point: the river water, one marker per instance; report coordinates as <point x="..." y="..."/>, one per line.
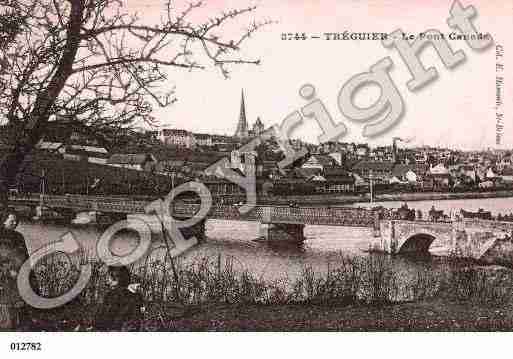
<point x="324" y="246"/>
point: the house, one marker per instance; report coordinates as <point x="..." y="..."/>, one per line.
<point x="197" y="169"/>
<point x="486" y="185"/>
<point x="359" y="182"/>
<point x="506" y="160"/>
<point x="438" y="180"/>
<point x="202" y="139"/>
<point x="319" y="162"/>
<point x="293" y="186"/>
<point x="380" y="171"/>
<point x="396" y="180"/>
<point x="362" y="150"/>
<point x="437" y="177"/>
<point x="221" y="186"/>
<point x="92" y="154"/>
<point x="338" y="180"/>
<point x="224" y="143"/>
<point x="307" y="174"/>
<point x="153" y="134"/>
<point x="178" y="138"/>
<point x="438" y="169"/>
<point x="347" y="147"/>
<point x="139" y="162"/>
<point x="410" y="173"/>
<point x="268" y="169"/>
<point x="490" y="174"/>
<point x="244" y="161"/>
<point x="328" y="147"/>
<point x="404" y="173"/>
<point x="420" y="157"/>
<point x="381" y="154"/>
<point x="297" y="145"/>
<point x="339" y="157"/>
<point x="68" y="130"/>
<point x="454" y="170"/>
<point x="469" y="172"/>
<point x="170" y="166"/>
<point x="50" y="146"/>
<point x="507" y="175"/>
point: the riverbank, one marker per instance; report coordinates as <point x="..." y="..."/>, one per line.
<point x="365" y="294"/>
<point x="425" y="196"/>
<point x="432" y="315"/>
<point x="337" y="199"/>
<point x="427" y="315"/>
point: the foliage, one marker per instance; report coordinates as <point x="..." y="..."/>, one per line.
<point x="206" y="282"/>
<point x="99" y="65"/>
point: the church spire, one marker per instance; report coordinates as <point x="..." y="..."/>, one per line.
<point x="242" y="126"/>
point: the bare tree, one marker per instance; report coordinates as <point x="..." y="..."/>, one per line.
<point x="95" y="63"/>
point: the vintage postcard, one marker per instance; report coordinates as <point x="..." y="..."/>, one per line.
<point x="242" y="166"/>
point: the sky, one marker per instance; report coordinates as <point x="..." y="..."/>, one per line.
<point x="457" y="110"/>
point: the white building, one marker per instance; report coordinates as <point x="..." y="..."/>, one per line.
<point x="176" y="137"/>
<point x="319" y="162"/>
<point x="51" y="146"/>
<point x="139" y="162"/>
<point x="203" y="139"/>
<point x="439" y="169"/>
<point x="93" y="154"/>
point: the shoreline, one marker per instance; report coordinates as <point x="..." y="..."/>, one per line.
<point x="332" y="199"/>
<point x="428" y="315"/>
<point x="438" y="314"/>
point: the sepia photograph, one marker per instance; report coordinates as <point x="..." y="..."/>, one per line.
<point x="254" y="166"/>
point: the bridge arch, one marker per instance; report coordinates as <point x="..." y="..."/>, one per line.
<point x="416" y="243"/>
<point x="417" y="236"/>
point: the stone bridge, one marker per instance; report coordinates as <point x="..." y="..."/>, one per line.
<point x="330" y="216"/>
<point x="277" y="222"/>
<point x="468" y="238"/>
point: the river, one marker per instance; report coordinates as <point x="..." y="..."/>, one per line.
<point x="324" y="246"/>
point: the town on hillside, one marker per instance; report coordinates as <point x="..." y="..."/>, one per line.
<point x="150" y="162"/>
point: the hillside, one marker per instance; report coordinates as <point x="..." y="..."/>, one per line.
<point x="67" y="176"/>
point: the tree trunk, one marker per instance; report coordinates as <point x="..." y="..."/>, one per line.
<point x="42" y="110"/>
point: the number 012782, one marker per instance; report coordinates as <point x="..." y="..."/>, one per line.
<point x="25" y="346"/>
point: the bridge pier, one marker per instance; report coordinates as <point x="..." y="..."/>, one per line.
<point x="386" y="241"/>
<point x="282" y="232"/>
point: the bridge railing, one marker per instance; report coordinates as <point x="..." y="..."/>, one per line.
<point x="502" y="225"/>
<point x="107" y="204"/>
<point x="344" y="216"/>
